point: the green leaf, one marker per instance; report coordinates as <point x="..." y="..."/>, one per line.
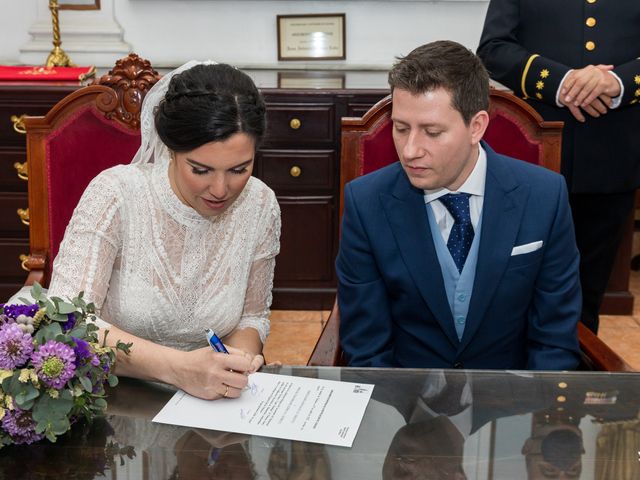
<point x="12" y="385"/>
<point x="26" y="301"/>
<point x="48" y="304"/>
<point x="58" y="317"/>
<point x="113" y="380"/>
<point x="86" y="384"/>
<point x="91" y="327"/>
<point x="25" y="397"/>
<point x="36" y="291"/>
<point x="66" y="308"/>
<point x="125" y="347"/>
<point x="6" y="384"/>
<point x="79" y="331"/>
<point x="48" y="332"/>
<point x="79" y="302"/>
<point x="50" y="436"/>
<point x="100" y="403"/>
<point x="46" y="409"/>
<point x="60" y="425"/>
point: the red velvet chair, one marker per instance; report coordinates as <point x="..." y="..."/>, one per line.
<point x="93" y="128"/>
<point x="515" y="129"/>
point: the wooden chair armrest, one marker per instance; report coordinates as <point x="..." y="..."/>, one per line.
<point x="327" y="351"/>
<point x="35" y="265"/>
<point x="599" y="353"/>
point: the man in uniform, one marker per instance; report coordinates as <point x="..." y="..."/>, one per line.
<point x="578" y="62"/>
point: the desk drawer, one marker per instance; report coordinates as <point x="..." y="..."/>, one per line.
<point x="9" y="160"/>
<point x="18" y="100"/>
<point x="300" y="124"/>
<point x="299" y="169"/>
<point x="10" y="223"/>
<point x="10" y="251"/>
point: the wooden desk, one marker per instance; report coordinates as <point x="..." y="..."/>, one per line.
<point x="491" y="425"/>
<point x="16" y="100"/>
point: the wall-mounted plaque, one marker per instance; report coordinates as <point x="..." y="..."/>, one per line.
<point x="312" y="37"/>
<point x="79" y="4"/>
<point x="311" y="79"/>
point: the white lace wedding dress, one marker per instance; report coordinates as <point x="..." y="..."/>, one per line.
<point x="157" y="269"/>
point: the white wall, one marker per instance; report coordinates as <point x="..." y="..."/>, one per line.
<point x="243" y="32"/>
<point x="15" y="20"/>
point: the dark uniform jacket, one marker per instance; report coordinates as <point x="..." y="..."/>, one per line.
<point x="529" y="46"/>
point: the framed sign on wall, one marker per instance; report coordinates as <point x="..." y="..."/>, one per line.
<point x="312" y="37"/>
<point x="79" y="4"/>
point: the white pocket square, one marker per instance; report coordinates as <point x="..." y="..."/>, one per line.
<point x="526" y="248"/>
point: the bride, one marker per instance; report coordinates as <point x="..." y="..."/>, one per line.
<point x="182" y="239"/>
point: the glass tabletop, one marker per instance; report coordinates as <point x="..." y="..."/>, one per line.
<point x="435" y="424"/>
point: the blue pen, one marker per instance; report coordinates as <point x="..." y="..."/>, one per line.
<point x="215" y="342"/>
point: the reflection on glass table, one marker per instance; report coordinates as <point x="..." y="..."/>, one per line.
<point x="435" y="424"/>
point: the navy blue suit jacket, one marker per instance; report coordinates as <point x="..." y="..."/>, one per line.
<point x="524" y="309"/>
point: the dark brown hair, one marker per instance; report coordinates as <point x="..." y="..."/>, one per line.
<point x="209" y="103"/>
<point x="449" y="65"/>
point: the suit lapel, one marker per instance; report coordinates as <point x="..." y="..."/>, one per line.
<point x="502" y="211"/>
<point x="405" y="212"/>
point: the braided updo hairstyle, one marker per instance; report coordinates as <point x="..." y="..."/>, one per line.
<point x="209" y="103"/>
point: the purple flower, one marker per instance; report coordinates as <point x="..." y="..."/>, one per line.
<point x="55" y="363"/>
<point x="106" y="366"/>
<point x="70" y="323"/>
<point x="95" y="361"/>
<point x="84" y="353"/>
<point x="19" y="424"/>
<point x="82" y="350"/>
<point x="14" y="310"/>
<point x="15" y="346"/>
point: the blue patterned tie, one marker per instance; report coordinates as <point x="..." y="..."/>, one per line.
<point x="461" y="234"/>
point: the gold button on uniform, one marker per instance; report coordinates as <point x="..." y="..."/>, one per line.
<point x="561" y="399"/>
<point x="591" y="22"/>
<point x="590" y="46"/>
<point x="591" y="1"/>
<point x="562" y="385"/>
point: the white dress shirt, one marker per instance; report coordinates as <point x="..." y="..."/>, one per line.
<point x="474" y="185"/>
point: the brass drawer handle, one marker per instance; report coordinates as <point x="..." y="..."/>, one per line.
<point x="295" y="171"/>
<point x="22" y="169"/>
<point x="23" y="213"/>
<point x="23" y="262"/>
<point x="295" y="123"/>
<point x="18" y="123"/>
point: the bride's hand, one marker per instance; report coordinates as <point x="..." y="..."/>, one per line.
<point x="207" y="374"/>
<point x="256" y="360"/>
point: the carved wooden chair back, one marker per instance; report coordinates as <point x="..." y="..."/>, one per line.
<point x="90" y="130"/>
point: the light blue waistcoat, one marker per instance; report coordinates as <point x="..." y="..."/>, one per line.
<point x="459" y="286"/>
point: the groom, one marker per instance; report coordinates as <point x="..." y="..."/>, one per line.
<point x="455" y="256"/>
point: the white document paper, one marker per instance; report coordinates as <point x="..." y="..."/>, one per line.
<point x="279" y="406"/>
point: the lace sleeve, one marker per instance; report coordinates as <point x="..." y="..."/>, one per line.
<point x="90" y="245"/>
<point x="258" y="297"/>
